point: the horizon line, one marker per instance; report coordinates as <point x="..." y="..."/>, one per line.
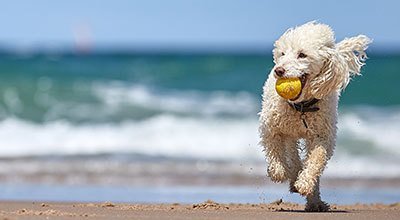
<point x="255" y="49"/>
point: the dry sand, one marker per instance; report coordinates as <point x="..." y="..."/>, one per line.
<point x="206" y="210"/>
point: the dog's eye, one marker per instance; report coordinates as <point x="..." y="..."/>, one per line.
<point x="282" y="54"/>
<point x="301" y="55"/>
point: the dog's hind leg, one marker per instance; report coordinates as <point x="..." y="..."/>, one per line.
<point x="294" y="162"/>
<point x="278" y="168"/>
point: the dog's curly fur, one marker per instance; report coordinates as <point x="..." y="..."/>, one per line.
<point x="326" y="69"/>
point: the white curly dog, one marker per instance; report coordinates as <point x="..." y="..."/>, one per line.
<point x="307" y="52"/>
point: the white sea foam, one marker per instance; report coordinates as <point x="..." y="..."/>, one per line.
<point x="205" y="138"/>
<point x="161" y="135"/>
<point x="382" y="130"/>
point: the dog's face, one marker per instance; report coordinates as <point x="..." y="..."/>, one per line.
<point x="302" y="53"/>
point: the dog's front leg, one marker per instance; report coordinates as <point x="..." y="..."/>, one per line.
<point x="307" y="184"/>
<point x="276" y="157"/>
<point x="313" y="166"/>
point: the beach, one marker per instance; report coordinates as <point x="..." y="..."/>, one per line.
<point x="205" y="210"/>
<point x="231" y="199"/>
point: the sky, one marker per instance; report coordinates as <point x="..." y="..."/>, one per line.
<point x="187" y="23"/>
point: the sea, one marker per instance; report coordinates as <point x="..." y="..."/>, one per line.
<point x="176" y="127"/>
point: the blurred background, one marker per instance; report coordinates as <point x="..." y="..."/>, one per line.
<point x="157" y="101"/>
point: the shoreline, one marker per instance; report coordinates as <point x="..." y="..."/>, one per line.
<point x="332" y="191"/>
<point x="204" y="210"/>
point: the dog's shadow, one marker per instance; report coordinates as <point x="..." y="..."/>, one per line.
<point x="303" y="211"/>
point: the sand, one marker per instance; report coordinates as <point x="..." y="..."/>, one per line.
<point x="206" y="210"/>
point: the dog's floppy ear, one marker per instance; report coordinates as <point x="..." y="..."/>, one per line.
<point x="341" y="63"/>
<point x="333" y="76"/>
<point x="353" y="50"/>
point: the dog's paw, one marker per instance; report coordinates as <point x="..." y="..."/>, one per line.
<point x="317" y="207"/>
<point x="304" y="187"/>
<point x="277" y="172"/>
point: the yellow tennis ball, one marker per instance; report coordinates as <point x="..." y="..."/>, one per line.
<point x="288" y="88"/>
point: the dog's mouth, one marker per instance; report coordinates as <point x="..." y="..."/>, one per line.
<point x="303" y="80"/>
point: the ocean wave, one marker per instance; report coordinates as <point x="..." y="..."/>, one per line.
<point x="367" y="140"/>
<point x="116" y="101"/>
<point x="360" y="134"/>
<point x="351" y="166"/>
<point x="161" y="135"/>
<point x="132" y="169"/>
<point x="114" y="95"/>
<point x="374" y="130"/>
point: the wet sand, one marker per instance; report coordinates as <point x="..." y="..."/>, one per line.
<point x="205" y="210"/>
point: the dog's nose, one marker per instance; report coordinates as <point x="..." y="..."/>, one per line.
<point x="280" y="71"/>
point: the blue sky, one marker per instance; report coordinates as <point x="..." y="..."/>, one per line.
<point x="188" y="23"/>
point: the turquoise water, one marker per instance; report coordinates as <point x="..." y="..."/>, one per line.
<point x="197" y="106"/>
<point x="32" y="87"/>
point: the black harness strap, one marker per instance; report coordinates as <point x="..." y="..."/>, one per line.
<point x="305" y="106"/>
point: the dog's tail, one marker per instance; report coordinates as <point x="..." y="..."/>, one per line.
<point x="353" y="50"/>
